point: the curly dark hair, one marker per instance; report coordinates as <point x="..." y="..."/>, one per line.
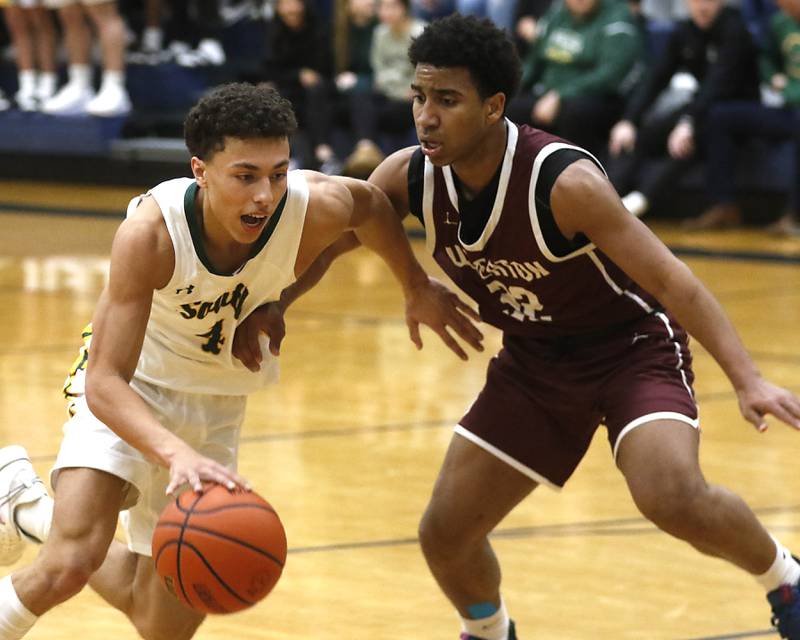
<point x="237" y="110"/>
<point x="475" y="43"/>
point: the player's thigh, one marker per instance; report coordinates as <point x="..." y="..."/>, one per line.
<point x="157" y="613"/>
<point x="475" y="489"/>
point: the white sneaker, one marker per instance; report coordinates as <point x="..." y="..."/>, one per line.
<point x="111" y="100"/>
<point x="26" y="100"/>
<point x="19" y="484"/>
<point x="71" y="100"/>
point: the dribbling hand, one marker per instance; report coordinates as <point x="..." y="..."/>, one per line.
<point x="188" y="467"/>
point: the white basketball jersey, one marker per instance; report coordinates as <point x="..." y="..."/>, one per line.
<point x="189" y="337"/>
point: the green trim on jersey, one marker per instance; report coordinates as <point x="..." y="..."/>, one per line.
<point x="197" y="234"/>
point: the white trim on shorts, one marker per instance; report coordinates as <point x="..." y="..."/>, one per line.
<point x="650" y="417"/>
<point x="502" y="455"/>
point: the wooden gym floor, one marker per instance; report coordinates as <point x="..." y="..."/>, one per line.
<point x="348" y="444"/>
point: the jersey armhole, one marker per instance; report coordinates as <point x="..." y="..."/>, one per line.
<point x="416" y="183"/>
<point x="551" y="168"/>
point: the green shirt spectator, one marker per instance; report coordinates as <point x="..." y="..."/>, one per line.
<point x="593" y="53"/>
<point x="780" y="64"/>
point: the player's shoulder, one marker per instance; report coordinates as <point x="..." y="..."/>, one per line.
<point x="143" y="238"/>
<point x="392" y="172"/>
<point x="327" y="192"/>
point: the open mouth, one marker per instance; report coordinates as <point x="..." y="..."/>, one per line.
<point x="253" y="221"/>
<point x="430" y="148"/>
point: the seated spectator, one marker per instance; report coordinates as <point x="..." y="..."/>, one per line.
<point x="427" y="10"/>
<point x="77" y="96"/>
<point x="576" y="74"/>
<point x="501" y="12"/>
<point x="526" y="22"/>
<point x="354" y="84"/>
<point x="730" y="122"/>
<point x="299" y="64"/>
<point x="194" y="30"/>
<point x="33" y="35"/>
<point x="714" y="46"/>
<point x="387" y="110"/>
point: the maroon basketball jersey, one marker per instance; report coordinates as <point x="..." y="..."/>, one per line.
<point x="520" y="284"/>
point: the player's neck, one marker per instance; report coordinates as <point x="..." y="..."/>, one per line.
<point x="477" y="170"/>
<point x="225" y="253"/>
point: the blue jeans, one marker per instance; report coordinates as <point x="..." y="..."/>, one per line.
<point x="501" y="12"/>
<point x="727" y="124"/>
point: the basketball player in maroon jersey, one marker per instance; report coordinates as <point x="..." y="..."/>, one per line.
<point x="593" y="308"/>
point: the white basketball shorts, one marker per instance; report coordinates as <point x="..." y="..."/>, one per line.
<point x="208" y="423"/>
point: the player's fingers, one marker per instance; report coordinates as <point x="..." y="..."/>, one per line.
<point x="452" y="344"/>
<point x="276" y="335"/>
<point x="792" y="404"/>
<point x="413" y="333"/>
<point x="755" y="418"/>
<point x="193" y="478"/>
<point x="254" y="347"/>
<point x="468" y="332"/>
<point x="785" y="412"/>
<point x="467" y="310"/>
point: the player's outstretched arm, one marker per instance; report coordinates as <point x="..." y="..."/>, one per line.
<point x="584" y="201"/>
<point x="142" y="260"/>
<point x="371" y="216"/>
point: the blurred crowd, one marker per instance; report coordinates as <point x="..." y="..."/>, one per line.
<point x="643" y="84"/>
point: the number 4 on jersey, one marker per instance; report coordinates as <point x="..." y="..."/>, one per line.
<point x="215" y="338"/>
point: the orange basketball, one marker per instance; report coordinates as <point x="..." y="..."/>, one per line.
<point x="219" y="551"/>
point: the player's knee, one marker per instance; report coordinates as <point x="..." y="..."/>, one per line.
<point x="676" y="505"/>
<point x="440" y="533"/>
<point x="69" y="573"/>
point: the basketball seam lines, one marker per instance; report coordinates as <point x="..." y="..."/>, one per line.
<point x="180" y="543"/>
<point x="226" y="507"/>
<point x="228" y="588"/>
<point x="247" y="545"/>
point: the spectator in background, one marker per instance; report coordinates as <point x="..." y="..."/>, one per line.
<point x="195" y="29"/>
<point x="77" y="96"/>
<point x="300" y="65"/>
<point x="427" y="10"/>
<point x="501" y="12"/>
<point x="526" y="22"/>
<point x="715" y="47"/>
<point x="729" y="122"/>
<point x="387" y="110"/>
<point x="574" y="78"/>
<point x="353" y="48"/>
<point x="33" y="35"/>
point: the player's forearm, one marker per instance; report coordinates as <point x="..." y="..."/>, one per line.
<point x="314" y="273"/>
<point x="382" y="232"/>
<point x="115" y="404"/>
<point x="703" y="317"/>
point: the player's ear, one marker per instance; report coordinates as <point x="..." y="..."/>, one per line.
<point x="199" y="171"/>
<point x="494" y="107"/>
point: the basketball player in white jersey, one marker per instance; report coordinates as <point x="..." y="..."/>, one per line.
<point x="164" y="397"/>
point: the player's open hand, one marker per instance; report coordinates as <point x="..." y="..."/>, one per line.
<point x="763" y="398"/>
<point x="267" y="319"/>
<point x="433" y="304"/>
<point x="188" y="467"/>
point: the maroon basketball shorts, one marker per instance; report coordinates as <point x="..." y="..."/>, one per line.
<point x="544" y="398"/>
